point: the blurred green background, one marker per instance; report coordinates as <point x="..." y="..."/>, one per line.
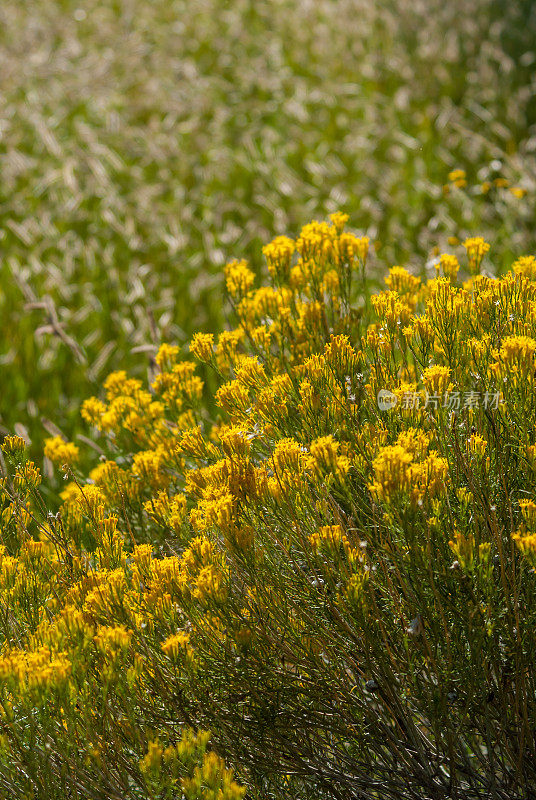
<point x="143" y="144"/>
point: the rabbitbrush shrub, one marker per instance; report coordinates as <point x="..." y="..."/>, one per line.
<point x="335" y="577"/>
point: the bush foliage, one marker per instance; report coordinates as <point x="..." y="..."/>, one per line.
<point x="329" y="565"/>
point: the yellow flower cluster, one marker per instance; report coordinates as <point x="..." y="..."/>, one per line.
<point x="168" y="511"/>
<point x="40" y="669"/>
<point x="61" y="452"/>
<point x="449" y="265"/>
<point x="458" y="178"/>
<point x="239" y="278"/>
<point x="176" y="644"/>
<point x="525" y="266"/>
<point x="13" y="446"/>
<point x="278" y="256"/>
<point x="397" y="472"/>
<point x="190" y="769"/>
<point x="273" y="538"/>
<point x="111" y="640"/>
<point x="476" y="248"/>
<point x="202" y="346"/>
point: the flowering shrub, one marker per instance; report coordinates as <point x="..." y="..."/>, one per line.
<point x="335" y="576"/>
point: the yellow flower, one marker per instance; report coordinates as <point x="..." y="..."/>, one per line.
<point x="528" y="509"/>
<point x="517" y="354"/>
<point x="449" y="265"/>
<point x="288" y="455"/>
<point x="456" y="175"/>
<point x="339" y="220"/>
<point x="354" y="249"/>
<point x="401" y="281"/>
<point x="463" y="548"/>
<point x="526" y="542"/>
<point x="166" y="356"/>
<point x="111" y="640"/>
<point x="202" y="346"/>
<point x="317" y="242"/>
<point x="436" y="379"/>
<point x="27" y="476"/>
<point x="390" y="309"/>
<point x="476" y="445"/>
<point x="278" y="256"/>
<point x="151" y="762"/>
<point x="167" y="511"/>
<point x="262" y="336"/>
<point x="115" y="384"/>
<point x="93" y="411"/>
<point x="250" y="373"/>
<point x="324" y="452"/>
<point x="228" y="342"/>
<point x="476" y="248"/>
<point x="210" y="586"/>
<point x="329" y="538"/>
<point x="428" y="478"/>
<point x="414" y="441"/>
<point x="338" y="354"/>
<point x="150" y="466"/>
<point x="217" y="509"/>
<point x="239" y="278"/>
<point x="13" y="445"/>
<point x="142" y="555"/>
<point x="233" y="397"/>
<point x="176" y="645"/>
<point x="235" y="441"/>
<point x="525" y="266"/>
<point x="84" y="501"/>
<point x="391" y="474"/>
<point x="61" y="452"/>
<point x="32" y="550"/>
<point x="36" y="669"/>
